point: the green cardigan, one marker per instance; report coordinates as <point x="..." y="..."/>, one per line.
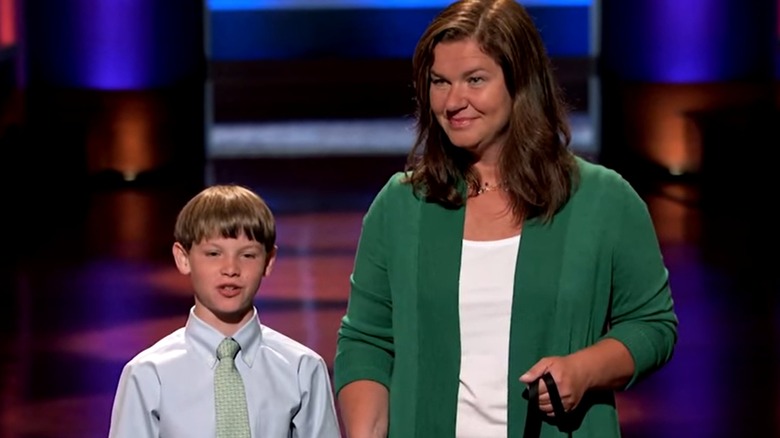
<point x="595" y="271"/>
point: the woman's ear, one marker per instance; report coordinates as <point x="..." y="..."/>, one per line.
<point x="181" y="257"/>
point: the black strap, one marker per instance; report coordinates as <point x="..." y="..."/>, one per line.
<point x="534" y="417"/>
<point x="555" y="396"/>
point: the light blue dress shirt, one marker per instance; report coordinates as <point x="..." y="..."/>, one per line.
<point x="167" y="390"/>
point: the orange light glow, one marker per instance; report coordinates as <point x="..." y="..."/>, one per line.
<point x="663" y="121"/>
<point x="127" y="141"/>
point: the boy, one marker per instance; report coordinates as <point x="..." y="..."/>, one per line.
<point x="225" y="242"/>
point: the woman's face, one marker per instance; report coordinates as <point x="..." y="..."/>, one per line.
<point x="469" y="97"/>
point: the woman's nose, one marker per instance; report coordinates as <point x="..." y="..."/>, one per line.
<point x="456" y="99"/>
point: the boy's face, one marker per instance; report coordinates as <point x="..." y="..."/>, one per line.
<point x="225" y="275"/>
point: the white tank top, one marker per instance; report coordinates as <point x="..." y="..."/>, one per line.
<point x="487" y="276"/>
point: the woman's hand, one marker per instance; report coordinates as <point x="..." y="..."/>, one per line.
<point x="606" y="364"/>
<point x="569" y="379"/>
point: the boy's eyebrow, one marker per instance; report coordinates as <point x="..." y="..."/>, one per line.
<point x="257" y="245"/>
<point x="211" y="241"/>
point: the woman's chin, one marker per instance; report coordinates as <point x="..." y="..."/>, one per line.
<point x="463" y="143"/>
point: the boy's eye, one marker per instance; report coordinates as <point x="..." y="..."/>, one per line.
<point x="250" y="256"/>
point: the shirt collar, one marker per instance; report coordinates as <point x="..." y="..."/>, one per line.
<point x="204" y="339"/>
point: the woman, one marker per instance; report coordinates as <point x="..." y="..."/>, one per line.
<point x="498" y="257"/>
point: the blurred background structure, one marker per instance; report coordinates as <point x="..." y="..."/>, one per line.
<point x="113" y="113"/>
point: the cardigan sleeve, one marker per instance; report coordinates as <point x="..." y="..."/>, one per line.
<point x="365" y="348"/>
<point x="642" y="312"/>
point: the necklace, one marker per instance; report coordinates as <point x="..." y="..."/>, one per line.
<point x="487" y="187"/>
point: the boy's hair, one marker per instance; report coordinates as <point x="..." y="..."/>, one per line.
<point x="226" y="210"/>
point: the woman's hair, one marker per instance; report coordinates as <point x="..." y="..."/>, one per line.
<point x="225" y="211"/>
<point x="536" y="164"/>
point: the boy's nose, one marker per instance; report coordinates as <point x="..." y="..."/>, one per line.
<point x="230" y="269"/>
